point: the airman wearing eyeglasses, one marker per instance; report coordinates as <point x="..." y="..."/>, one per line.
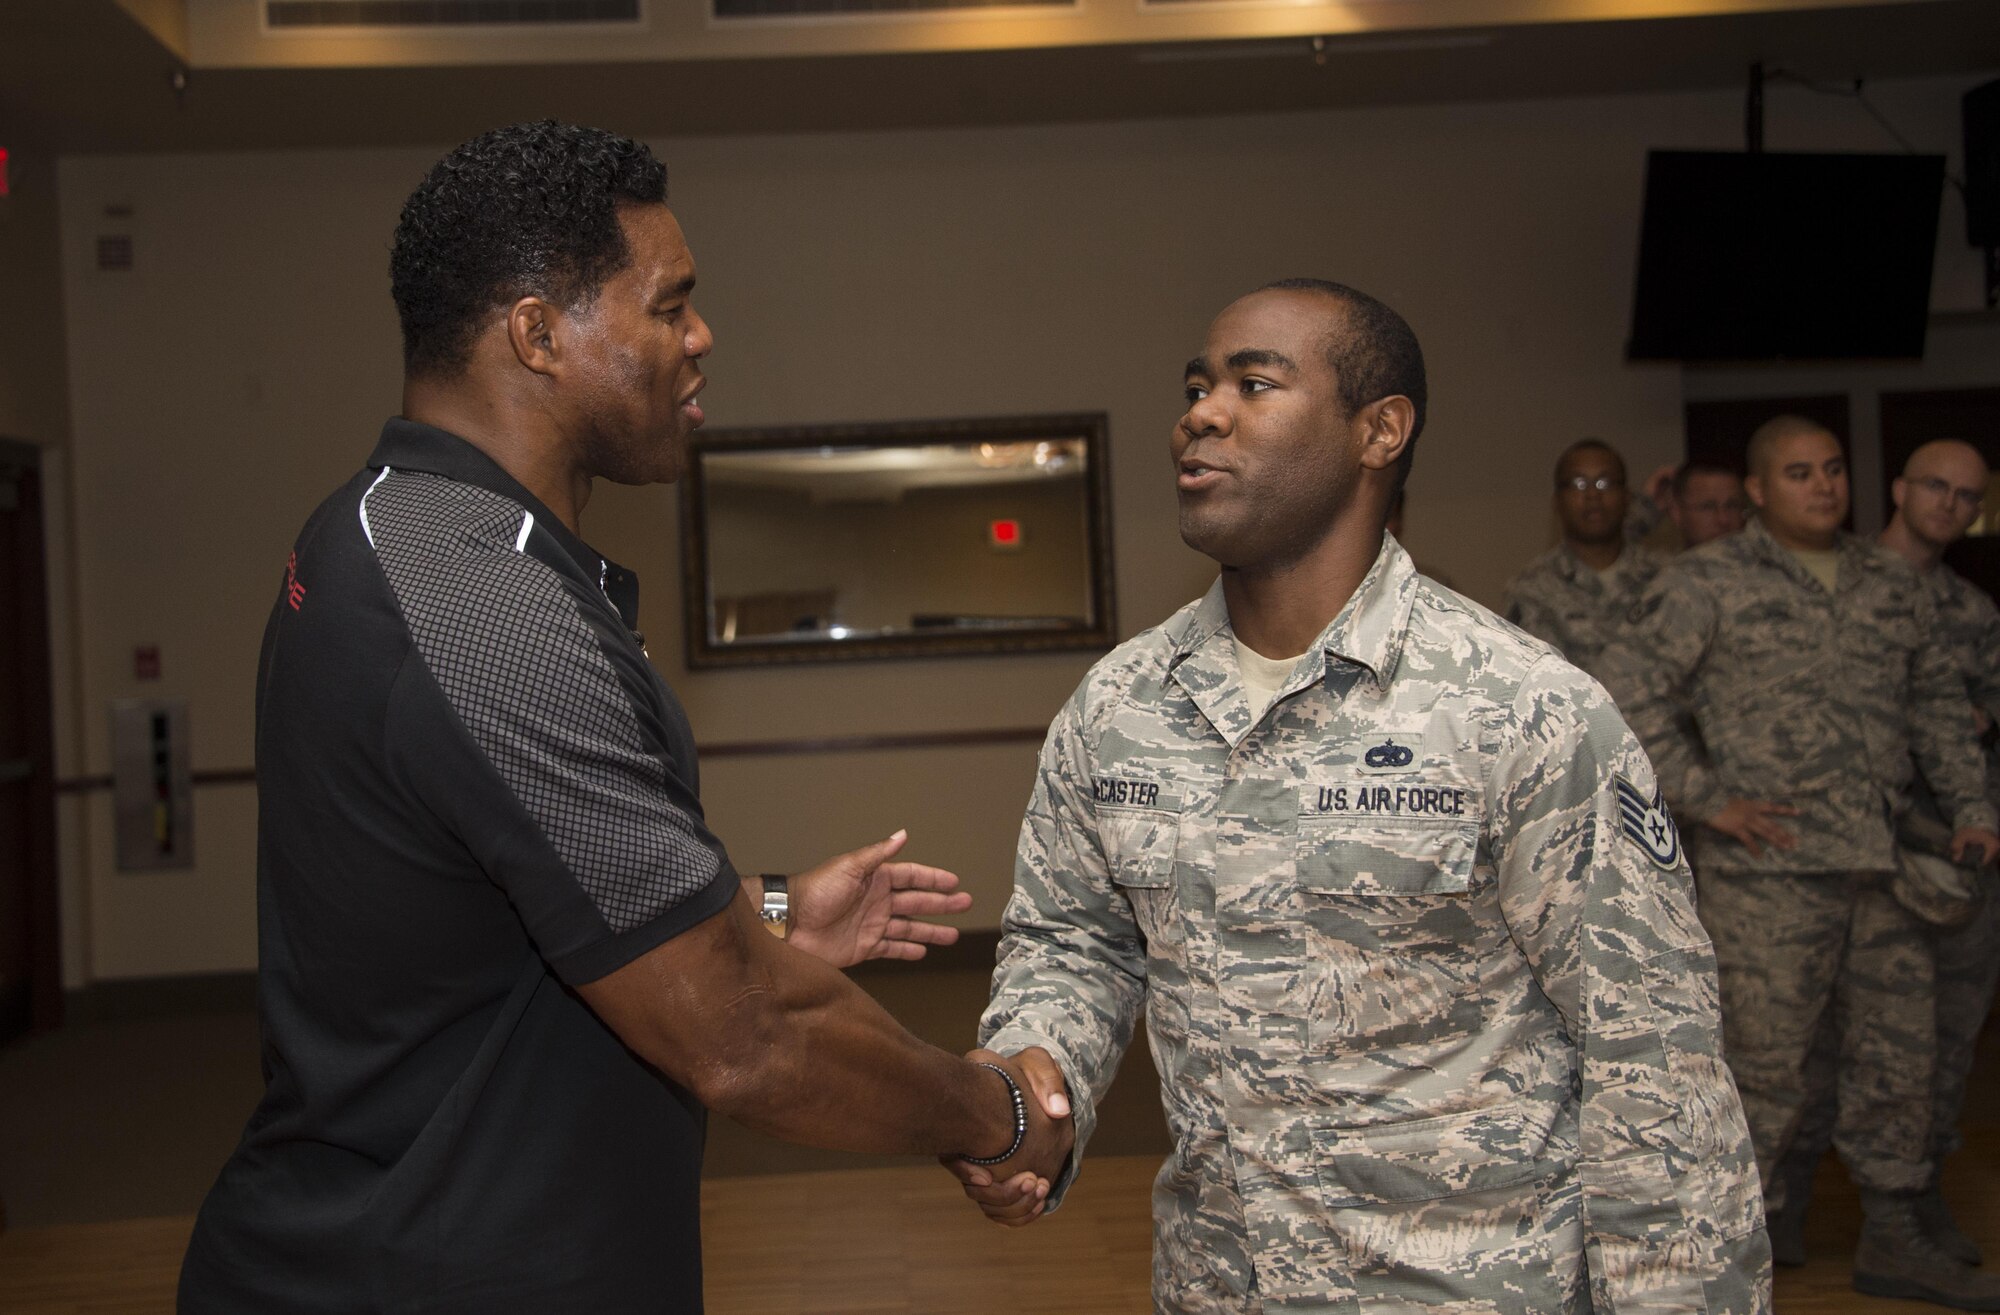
<point x="1810" y="664"/>
<point x="1577" y="595"/>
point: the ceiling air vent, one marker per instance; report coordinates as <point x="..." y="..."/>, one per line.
<point x="726" y="10"/>
<point x="322" y="15"/>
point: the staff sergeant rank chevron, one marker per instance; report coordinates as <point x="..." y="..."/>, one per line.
<point x="1648" y="823"/>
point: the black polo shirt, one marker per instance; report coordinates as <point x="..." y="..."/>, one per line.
<point x="474" y="792"/>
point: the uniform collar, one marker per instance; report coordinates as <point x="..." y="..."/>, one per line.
<point x="1366" y="637"/>
<point x="1573" y="568"/>
<point x="1632" y="565"/>
<point x="411" y="445"/>
<point x="1853" y="554"/>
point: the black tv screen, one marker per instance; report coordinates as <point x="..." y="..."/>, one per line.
<point x="1779" y="255"/>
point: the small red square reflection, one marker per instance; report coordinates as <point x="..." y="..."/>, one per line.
<point x="1004" y="534"/>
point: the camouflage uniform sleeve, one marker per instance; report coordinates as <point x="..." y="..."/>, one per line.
<point x="1642" y="516"/>
<point x="1596" y="894"/>
<point x="1071" y="972"/>
<point x="1650" y="670"/>
<point x="1984" y="681"/>
<point x="1526" y="612"/>
<point x="1943" y="736"/>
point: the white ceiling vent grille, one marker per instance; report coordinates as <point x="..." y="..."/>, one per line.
<point x="780" y="10"/>
<point x="322" y="15"/>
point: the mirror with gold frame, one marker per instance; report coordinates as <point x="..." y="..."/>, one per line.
<point x="830" y="543"/>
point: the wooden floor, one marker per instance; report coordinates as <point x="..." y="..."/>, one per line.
<point x="902" y="1242"/>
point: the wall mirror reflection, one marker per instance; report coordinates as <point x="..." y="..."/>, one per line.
<point x="911" y="539"/>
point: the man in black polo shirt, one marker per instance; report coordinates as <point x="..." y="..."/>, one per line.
<point x="504" y="965"/>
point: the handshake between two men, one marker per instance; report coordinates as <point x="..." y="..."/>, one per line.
<point x="863" y="905"/>
<point x="1015" y="1192"/>
<point x="1378" y="1036"/>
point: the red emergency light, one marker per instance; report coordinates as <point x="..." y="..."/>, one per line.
<point x="1004" y="534"/>
<point x="3" y="171"/>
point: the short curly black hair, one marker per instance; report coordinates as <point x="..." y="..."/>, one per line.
<point x="1374" y="354"/>
<point x="526" y="210"/>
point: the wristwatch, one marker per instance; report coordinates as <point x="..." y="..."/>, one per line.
<point x="776" y="910"/>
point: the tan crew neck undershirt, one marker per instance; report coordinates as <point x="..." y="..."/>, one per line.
<point x="1262" y="677"/>
<point x="1824" y="563"/>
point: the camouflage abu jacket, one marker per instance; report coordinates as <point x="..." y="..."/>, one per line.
<point x="1559" y="599"/>
<point x="1968" y="626"/>
<point x="1801" y="697"/>
<point x="1435" y="1023"/>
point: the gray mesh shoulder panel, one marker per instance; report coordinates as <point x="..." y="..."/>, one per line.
<point x="525" y="675"/>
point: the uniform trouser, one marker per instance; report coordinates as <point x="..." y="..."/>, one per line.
<point x="1968" y="970"/>
<point x="1788" y="949"/>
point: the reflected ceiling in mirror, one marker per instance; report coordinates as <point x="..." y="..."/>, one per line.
<point x="907" y="539"/>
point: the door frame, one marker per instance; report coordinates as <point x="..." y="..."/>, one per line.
<point x="37" y="693"/>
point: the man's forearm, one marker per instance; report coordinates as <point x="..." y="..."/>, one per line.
<point x="824" y="1064"/>
<point x="786" y="1044"/>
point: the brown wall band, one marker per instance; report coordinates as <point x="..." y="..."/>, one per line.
<point x="728" y="749"/>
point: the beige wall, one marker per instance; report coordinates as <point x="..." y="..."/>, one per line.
<point x="243" y="369"/>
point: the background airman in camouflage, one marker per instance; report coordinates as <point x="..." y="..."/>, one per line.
<point x="1808" y="661"/>
<point x="1579" y="594"/>
<point x="1939" y="495"/>
<point x="1434" y="1019"/>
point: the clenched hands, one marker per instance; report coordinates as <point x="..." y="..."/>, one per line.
<point x="1016" y="1192"/>
<point x="859" y="905"/>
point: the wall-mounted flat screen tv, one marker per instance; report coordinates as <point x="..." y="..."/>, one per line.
<point x="1777" y="255"/>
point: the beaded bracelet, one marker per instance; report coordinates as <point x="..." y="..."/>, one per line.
<point x="1020" y="1119"/>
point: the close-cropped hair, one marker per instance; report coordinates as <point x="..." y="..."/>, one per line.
<point x="1374" y="354"/>
<point x="526" y="210"/>
<point x="1689" y="469"/>
<point x="1766" y="437"/>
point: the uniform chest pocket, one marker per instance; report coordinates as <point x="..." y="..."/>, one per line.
<point x="1882" y="644"/>
<point x="1139" y="849"/>
<point x="1373" y="858"/>
<point x="1388" y="917"/>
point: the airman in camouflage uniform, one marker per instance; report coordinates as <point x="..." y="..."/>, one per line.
<point x="1812" y="702"/>
<point x="1579" y="594"/>
<point x="1937" y="497"/>
<point x="1435" y="1023"/>
<point x="1968" y="957"/>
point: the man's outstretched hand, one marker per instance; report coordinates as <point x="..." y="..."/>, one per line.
<point x="859" y="905"/>
<point x="1016" y="1192"/>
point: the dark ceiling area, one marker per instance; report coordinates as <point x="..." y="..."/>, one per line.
<point x="79" y="76"/>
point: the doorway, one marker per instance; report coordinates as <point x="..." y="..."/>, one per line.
<point x="30" y="957"/>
